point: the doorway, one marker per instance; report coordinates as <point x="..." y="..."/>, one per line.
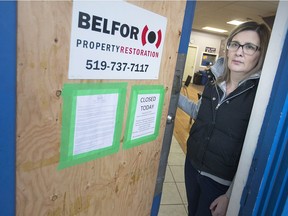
<point x="190" y="61"/>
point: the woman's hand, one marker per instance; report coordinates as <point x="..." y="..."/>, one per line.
<point x="219" y="206"/>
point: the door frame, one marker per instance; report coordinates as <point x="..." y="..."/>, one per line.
<point x="266" y="190"/>
<point x="247" y="181"/>
<point x="177" y="84"/>
<point x="8" y="58"/>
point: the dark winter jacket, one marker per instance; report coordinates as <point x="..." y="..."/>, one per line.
<point x="216" y="138"/>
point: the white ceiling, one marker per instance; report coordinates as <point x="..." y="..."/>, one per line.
<point x="216" y="13"/>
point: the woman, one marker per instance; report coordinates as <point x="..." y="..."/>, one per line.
<point x="221" y="119"/>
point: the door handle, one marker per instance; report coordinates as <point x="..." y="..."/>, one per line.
<point x="170" y="119"/>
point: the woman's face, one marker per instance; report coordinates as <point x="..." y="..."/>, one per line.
<point x="240" y="62"/>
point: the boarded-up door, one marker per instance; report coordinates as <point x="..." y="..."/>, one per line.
<point x="119" y="184"/>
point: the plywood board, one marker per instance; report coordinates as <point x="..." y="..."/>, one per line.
<point x="119" y="184"/>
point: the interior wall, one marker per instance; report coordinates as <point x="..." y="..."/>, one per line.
<point x="203" y="40"/>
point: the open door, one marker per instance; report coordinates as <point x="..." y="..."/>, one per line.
<point x="120" y="183"/>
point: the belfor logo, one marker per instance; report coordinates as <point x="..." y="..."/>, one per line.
<point x="106" y="26"/>
<point x="113" y="27"/>
<point x="151" y="37"/>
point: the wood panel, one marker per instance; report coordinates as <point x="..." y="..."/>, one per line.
<point x="119" y="184"/>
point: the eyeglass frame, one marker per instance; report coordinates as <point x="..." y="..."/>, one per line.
<point x="242" y="46"/>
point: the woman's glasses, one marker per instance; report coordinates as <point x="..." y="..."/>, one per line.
<point x="248" y="48"/>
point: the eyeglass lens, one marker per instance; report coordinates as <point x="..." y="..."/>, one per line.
<point x="247" y="48"/>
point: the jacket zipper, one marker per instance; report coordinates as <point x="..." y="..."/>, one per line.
<point x="229" y="98"/>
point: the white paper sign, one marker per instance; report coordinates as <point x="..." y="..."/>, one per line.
<point x="145" y="116"/>
<point x="115" y="40"/>
<point x="95" y="122"/>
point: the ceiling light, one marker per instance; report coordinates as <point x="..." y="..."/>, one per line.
<point x="235" y="22"/>
<point x="214" y="29"/>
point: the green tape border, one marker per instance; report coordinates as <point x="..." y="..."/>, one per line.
<point x="69" y="94"/>
<point x="135" y="91"/>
